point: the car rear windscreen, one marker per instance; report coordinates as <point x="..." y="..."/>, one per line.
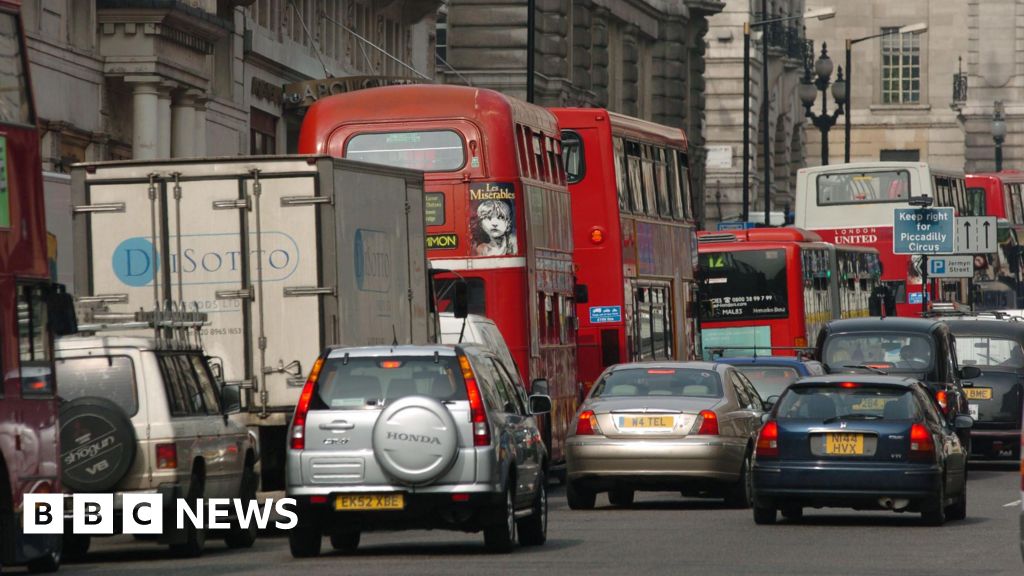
<point x="989" y="352"/>
<point x="769" y="380"/>
<point x="110" y="377"/>
<point x="675" y="382"/>
<point x="892" y="352"/>
<point x="367" y="382"/>
<point x="848" y="401"/>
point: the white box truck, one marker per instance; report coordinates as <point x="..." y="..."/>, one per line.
<point x="286" y="255"/>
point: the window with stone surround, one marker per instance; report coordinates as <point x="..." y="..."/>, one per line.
<point x="901" y="67"/>
<point x="262" y="133"/>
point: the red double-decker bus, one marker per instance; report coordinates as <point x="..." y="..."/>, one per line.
<point x="28" y="403"/>
<point x="634" y="238"/>
<point x="497" y="210"/>
<point x="775" y="288"/>
<point x="999" y="278"/>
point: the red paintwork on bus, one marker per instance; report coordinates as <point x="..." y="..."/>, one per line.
<point x="487" y="123"/>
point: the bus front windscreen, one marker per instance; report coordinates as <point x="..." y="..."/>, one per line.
<point x="744" y="284"/>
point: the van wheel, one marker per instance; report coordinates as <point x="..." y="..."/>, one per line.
<point x="346" y="543"/>
<point x="304" y="542"/>
<point x="580" y="498"/>
<point x="500" y="536"/>
<point x="236" y="536"/>
<point x="533" y="530"/>
<point x="75" y="547"/>
<point x="195" y="538"/>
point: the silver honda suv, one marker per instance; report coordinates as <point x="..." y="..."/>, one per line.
<point x="416" y="437"/>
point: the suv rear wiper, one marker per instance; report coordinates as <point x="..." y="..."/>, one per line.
<point x="874" y="369"/>
<point x="852" y="417"/>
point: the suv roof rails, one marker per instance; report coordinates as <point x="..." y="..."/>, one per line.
<point x="1002" y="315"/>
<point x="174" y="326"/>
<point x="940" y="309"/>
<point x="803" y="352"/>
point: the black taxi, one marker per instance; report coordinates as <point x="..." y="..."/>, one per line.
<point x="996" y="347"/>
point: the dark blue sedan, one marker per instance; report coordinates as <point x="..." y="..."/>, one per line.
<point x="859" y="441"/>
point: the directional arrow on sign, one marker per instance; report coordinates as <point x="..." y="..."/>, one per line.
<point x="976" y="235"/>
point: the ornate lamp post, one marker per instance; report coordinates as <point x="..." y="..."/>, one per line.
<point x="808" y="92"/>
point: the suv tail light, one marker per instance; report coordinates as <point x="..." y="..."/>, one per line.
<point x="166" y="456"/>
<point x="768" y="441"/>
<point x="586" y="425"/>
<point x="708" y="423"/>
<point x="477" y="414"/>
<point x="922" y="447"/>
<point x="298" y="436"/>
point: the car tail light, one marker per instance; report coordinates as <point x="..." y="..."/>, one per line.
<point x="848" y="385"/>
<point x="477" y="414"/>
<point x="768" y="441"/>
<point x="166" y="456"/>
<point x="298" y="439"/>
<point x="922" y="447"/>
<point x="943" y="399"/>
<point x="708" y="423"/>
<point x="318" y="499"/>
<point x="586" y="425"/>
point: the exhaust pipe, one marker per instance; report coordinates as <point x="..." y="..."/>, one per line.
<point x="893" y="503"/>
<point x="885" y="502"/>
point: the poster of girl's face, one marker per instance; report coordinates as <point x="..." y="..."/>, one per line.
<point x="493" y="219"/>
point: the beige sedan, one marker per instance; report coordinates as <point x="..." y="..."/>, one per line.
<point x="686" y="426"/>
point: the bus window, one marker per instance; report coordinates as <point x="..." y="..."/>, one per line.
<point x="621" y="182"/>
<point x="553" y="163"/>
<point x="635" y="179"/>
<point x="661" y="179"/>
<point x="863" y="187"/>
<point x="430" y="151"/>
<point x="647" y="163"/>
<point x="538" y="157"/>
<point x="15" y="104"/>
<point x="35" y="350"/>
<point x="745" y="284"/>
<point x="521" y="148"/>
<point x="675" y="176"/>
<point x="976" y="201"/>
<point x="572" y="156"/>
<point x="444" y="291"/>
<point x="684" y="184"/>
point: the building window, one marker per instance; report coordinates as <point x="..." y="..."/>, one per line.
<point x="441" y="37"/>
<point x="901" y="67"/>
<point x="262" y="133"/>
<point x="900" y="156"/>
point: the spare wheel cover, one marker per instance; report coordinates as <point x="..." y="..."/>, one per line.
<point x="97" y="444"/>
<point x="415" y="440"/>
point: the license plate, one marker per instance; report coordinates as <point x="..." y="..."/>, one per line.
<point x="978" y="393"/>
<point x="370" y="502"/>
<point x="974" y="410"/>
<point x="646" y="422"/>
<point x="844" y="444"/>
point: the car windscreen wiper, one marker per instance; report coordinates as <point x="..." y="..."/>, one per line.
<point x="874" y="369"/>
<point x="852" y="417"/>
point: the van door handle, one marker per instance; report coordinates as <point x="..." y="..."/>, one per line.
<point x="338" y="425"/>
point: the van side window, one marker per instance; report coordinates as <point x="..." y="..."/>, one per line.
<point x="206" y="386"/>
<point x="177" y="395"/>
<point x="511" y="389"/>
<point x="756" y="401"/>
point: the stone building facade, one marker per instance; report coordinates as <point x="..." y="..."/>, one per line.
<point x="787" y="149"/>
<point x="119" y="79"/>
<point x="903" y="105"/>
<point x="644" y="58"/>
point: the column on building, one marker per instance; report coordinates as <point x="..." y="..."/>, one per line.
<point x="200" y="125"/>
<point x="145" y="112"/>
<point x="183" y="125"/>
<point x="164" y="118"/>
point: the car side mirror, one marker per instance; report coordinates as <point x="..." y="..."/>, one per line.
<point x="231" y="398"/>
<point x="540" y="387"/>
<point x="770" y="402"/>
<point x="970" y="372"/>
<point x="963" y="422"/>
<point x="540" y="404"/>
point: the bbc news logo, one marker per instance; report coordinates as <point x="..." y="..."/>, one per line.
<point x="144" y="514"/>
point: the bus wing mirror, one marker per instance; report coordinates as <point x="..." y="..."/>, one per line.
<point x="460" y="303"/>
<point x="581" y="294"/>
<point x="61" y="311"/>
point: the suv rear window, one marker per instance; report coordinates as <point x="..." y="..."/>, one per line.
<point x="986" y="351"/>
<point x="363" y="382"/>
<point x="848" y="401"/>
<point x="689" y="382"/>
<point x="110" y="377"/>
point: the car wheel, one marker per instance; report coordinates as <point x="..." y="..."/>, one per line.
<point x="933" y="511"/>
<point x="792" y="512"/>
<point x="958" y="510"/>
<point x="236" y="536"/>
<point x="195" y="538"/>
<point x="621" y="497"/>
<point x="764" y="515"/>
<point x="346" y="543"/>
<point x="500" y="536"/>
<point x="75" y="547"/>
<point x="304" y="542"/>
<point x="50" y="562"/>
<point x="739" y="494"/>
<point x="533" y="530"/>
<point x="579" y="498"/>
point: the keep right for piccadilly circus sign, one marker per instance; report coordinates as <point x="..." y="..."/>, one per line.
<point x="923" y="231"/>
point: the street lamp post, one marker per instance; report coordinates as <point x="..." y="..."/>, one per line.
<point x="820" y="14"/>
<point x="808" y="93"/>
<point x="918" y="28"/>
<point x="998" y="133"/>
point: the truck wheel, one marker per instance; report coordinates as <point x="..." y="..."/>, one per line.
<point x="533" y="530"/>
<point x="304" y="542"/>
<point x="236" y="536"/>
<point x="97" y="443"/>
<point x="500" y="536"/>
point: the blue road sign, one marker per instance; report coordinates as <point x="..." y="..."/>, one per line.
<point x="923" y="231"/>
<point x="735" y="225"/>
<point x="601" y="314"/>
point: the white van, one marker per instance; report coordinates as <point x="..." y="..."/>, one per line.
<point x="479" y="330"/>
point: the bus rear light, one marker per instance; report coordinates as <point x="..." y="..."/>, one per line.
<point x="298" y="435"/>
<point x="800" y="342"/>
<point x="166" y="456"/>
<point x="708" y="423"/>
<point x="768" y="441"/>
<point x="477" y="414"/>
<point x="586" y="425"/>
<point x="596" y="235"/>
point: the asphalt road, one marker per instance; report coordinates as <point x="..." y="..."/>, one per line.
<point x="661" y="534"/>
